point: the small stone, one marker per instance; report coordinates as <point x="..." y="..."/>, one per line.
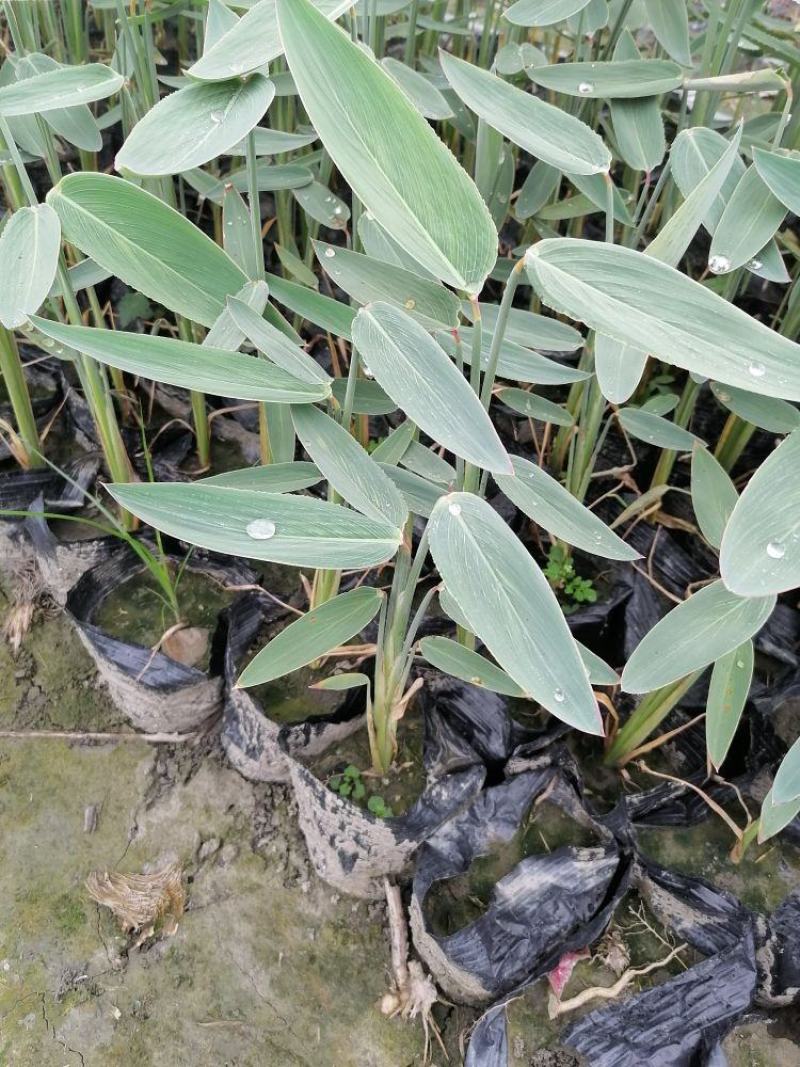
<point x="208" y="848"/>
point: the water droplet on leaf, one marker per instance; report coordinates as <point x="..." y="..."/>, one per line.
<point x="719" y="264"/>
<point x="329" y="253"/>
<point x="757" y="370"/>
<point x="559" y="696"/>
<point x="261" y="529"/>
<point x="454" y="509"/>
<point x="776" y="550"/>
<point x="585" y="88"/>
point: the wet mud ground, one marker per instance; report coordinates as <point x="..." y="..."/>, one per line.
<point x="269" y="967"/>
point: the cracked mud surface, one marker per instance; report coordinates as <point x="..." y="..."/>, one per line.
<point x="268" y="967"/>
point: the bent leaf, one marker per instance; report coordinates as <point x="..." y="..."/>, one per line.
<point x="782" y="174"/>
<point x="727" y="695"/>
<point x="59" y="88"/>
<point x="316" y="633"/>
<point x="628" y="79"/>
<point x="714" y="495"/>
<point x="29" y="248"/>
<point x="452" y="658"/>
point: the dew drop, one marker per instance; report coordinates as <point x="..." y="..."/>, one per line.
<point x="776" y="549"/>
<point x="329" y="253"/>
<point x="755" y="264"/>
<point x="724" y="397"/>
<point x="757" y="370"/>
<point x="367" y="372"/>
<point x="476" y="680"/>
<point x="410" y="304"/>
<point x="217" y="116"/>
<point x="559" y="696"/>
<point x="454" y="509"/>
<point x="740" y="664"/>
<point x="338" y="209"/>
<point x="261" y="529"/>
<point x="585" y="88"/>
<point x="719" y="264"/>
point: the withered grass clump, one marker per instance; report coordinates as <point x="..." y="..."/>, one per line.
<point x="142" y="903"/>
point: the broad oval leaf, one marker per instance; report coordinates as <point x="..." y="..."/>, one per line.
<point x="323" y="311"/>
<point x="417" y="374"/>
<point x="750" y="219"/>
<point x="420" y="494"/>
<point x="619" y="368"/>
<point x="760" y="550"/>
<point x="275" y="345"/>
<point x="367" y="280"/>
<point x="77" y="125"/>
<point x="147" y="244"/>
<point x="628" y="79"/>
<point x="766" y="412"/>
<point x="509" y="605"/>
<point x="543" y="12"/>
<point x="655" y="430"/>
<point x="188" y="128"/>
<point x="515" y="363"/>
<point x="269" y="478"/>
<point x="315" y="634"/>
<point x="535" y="407"/>
<point x="669" y="20"/>
<point x="348" y="467"/>
<point x="636" y="300"/>
<point x="181" y="363"/>
<point x="545" y="131"/>
<point x="387" y="152"/>
<point x="697" y="632"/>
<point x="774" y="817"/>
<point x="554" y="508"/>
<point x="530" y="330"/>
<point x="782" y="174"/>
<point x="461" y="662"/>
<point x="727" y="695"/>
<point x="252" y="43"/>
<point x="427" y="99"/>
<point x="368" y="397"/>
<point x="714" y="495"/>
<point x="638" y="126"/>
<point x="29" y="248"/>
<point x="59" y="88"/>
<point x="278" y="527"/>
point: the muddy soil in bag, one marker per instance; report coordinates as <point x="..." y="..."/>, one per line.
<point x="135" y="612"/>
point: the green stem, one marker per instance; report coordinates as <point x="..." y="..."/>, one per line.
<point x="652" y="710"/>
<point x="17" y="389"/>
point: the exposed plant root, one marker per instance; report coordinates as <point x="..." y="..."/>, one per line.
<point x="141" y="902"/>
<point x="556" y="1007"/>
<point x="28" y="595"/>
<point x="413" y="992"/>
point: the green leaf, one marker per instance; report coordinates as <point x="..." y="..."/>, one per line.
<point x="598" y="670"/>
<point x="296" y="530"/>
<point x="760" y="550"/>
<point x="774" y="817"/>
<point x="595" y="188"/>
<point x="386" y="151"/>
<point x="766" y="412"/>
<point x="697" y="632"/>
<point x="312" y="636"/>
<point x="530" y="330"/>
<point x="59" y="88"/>
<point x="656" y="430"/>
<point x="452" y="658"/>
<point x="750" y="219"/>
<point x="188" y="128"/>
<point x="322" y="205"/>
<point x="786" y="786"/>
<point x="420" y="494"/>
<point x="145" y="243"/>
<point x="29" y="248"/>
<point x="324" y="312"/>
<point x="425" y="97"/>
<point x="511" y="607"/>
<point x="535" y="407"/>
<point x="695" y="152"/>
<point x="76" y="125"/>
<point x="556" y="510"/>
<point x="781" y="173"/>
<point x="337" y="683"/>
<point x="294" y="265"/>
<point x="276" y="346"/>
<point x="366" y="280"/>
<point x="516" y="363"/>
<point x="543" y="12"/>
<point x="237" y="232"/>
<point x="378" y="244"/>
<point x="272" y="478"/>
<point x="219" y="19"/>
<point x="348" y="468"/>
<point x="274" y="142"/>
<point x="714" y="495"/>
<point x="638" y="126"/>
<point x="428" y="464"/>
<point x="727" y="695"/>
<point x="225" y="333"/>
<point x="419" y="376"/>
<point x="368" y="397"/>
<point x="638" y="301"/>
<point x="539" y="186"/>
<point x="675" y="237"/>
<point x="669" y="20"/>
<point x="619" y="368"/>
<point x="181" y="363"/>
<point x="629" y="79"/>
<point x="252" y="43"/>
<point x="541" y="129"/>
<point x="393" y="447"/>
